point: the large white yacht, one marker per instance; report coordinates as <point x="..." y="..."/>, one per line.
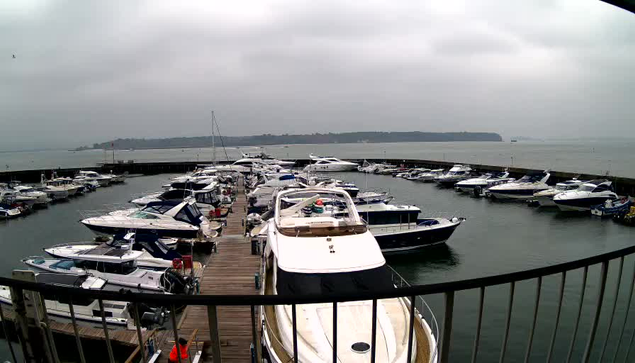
<point x="589" y="194"/>
<point x="484" y="181"/>
<point x="545" y="198"/>
<point x="322" y="249"/>
<point x="457" y="173"/>
<point x="22" y="194"/>
<point x="89" y="175"/>
<point x="524" y="188"/>
<point x="164" y="218"/>
<point x="329" y="163"/>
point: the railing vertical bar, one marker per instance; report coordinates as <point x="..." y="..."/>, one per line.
<point x="175" y="328"/>
<point x="137" y="323"/>
<point x="577" y="318"/>
<point x="508" y="320"/>
<point x="49" y="333"/>
<point x="535" y="318"/>
<point x="628" y="309"/>
<point x="617" y="295"/>
<point x="373" y="348"/>
<point x="411" y="328"/>
<point x="447" y="327"/>
<point x="6" y="335"/>
<point x="598" y="310"/>
<point x="78" y="340"/>
<point x="295" y="333"/>
<point x="214" y="335"/>
<point x="479" y="323"/>
<point x="111" y="355"/>
<point x="334" y="332"/>
<point x="630" y="344"/>
<point x="254" y="338"/>
<point x="563" y="280"/>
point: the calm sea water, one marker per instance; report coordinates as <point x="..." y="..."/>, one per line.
<point x="582" y="157"/>
<point x="496" y="238"/>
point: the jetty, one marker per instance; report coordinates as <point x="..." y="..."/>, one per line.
<point x="230" y="270"/>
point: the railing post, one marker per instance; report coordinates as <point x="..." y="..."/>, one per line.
<point x="212" y="317"/>
<point x="555" y="326"/>
<point x="598" y="310"/>
<point x="6" y="334"/>
<point x="479" y="322"/>
<point x="111" y="355"/>
<point x="334" y="332"/>
<point x="295" y="333"/>
<point x="175" y="328"/>
<point x="411" y="328"/>
<point x="373" y="342"/>
<point x="447" y="327"/>
<point x="577" y="319"/>
<point x="47" y="328"/>
<point x="137" y="322"/>
<point x="17" y="298"/>
<point x="254" y="334"/>
<point x="617" y="295"/>
<point x="628" y="308"/>
<point x="510" y="305"/>
<point x="78" y="340"/>
<point x="533" y="323"/>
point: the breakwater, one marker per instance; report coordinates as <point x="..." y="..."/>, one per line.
<point x="622" y="185"/>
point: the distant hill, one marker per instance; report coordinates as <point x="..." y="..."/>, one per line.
<point x="269" y="139"/>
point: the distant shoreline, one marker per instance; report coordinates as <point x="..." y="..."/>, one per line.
<point x="286" y="139"/>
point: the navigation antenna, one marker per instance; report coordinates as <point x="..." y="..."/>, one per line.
<point x="213" y="144"/>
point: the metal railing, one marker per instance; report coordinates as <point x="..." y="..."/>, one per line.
<point x="594" y="343"/>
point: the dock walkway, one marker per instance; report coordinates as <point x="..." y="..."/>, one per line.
<point x="230" y="271"/>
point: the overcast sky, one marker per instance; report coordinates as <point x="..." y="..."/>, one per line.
<point x="90" y="71"/>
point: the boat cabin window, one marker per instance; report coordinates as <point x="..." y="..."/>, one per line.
<point x="117" y="268"/>
<point x="293" y="283"/>
<point x="205" y="198"/>
<point x="587" y="188"/>
<point x="601" y="188"/>
<point x="189" y="214"/>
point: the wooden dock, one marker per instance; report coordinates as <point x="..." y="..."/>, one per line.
<point x="230" y="271"/>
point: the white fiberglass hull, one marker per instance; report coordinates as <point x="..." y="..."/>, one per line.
<point x="331" y="167"/>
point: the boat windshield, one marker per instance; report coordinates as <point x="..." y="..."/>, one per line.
<point x="530" y="178"/>
<point x="586" y="187"/>
<point x="143" y="215"/>
<point x="314" y="213"/>
<point x="293" y="283"/>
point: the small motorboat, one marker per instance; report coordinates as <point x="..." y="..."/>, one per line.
<point x="8" y="211"/>
<point x="483" y="182"/>
<point x="454" y="175"/>
<point x="612" y="207"/>
<point x="522" y="189"/>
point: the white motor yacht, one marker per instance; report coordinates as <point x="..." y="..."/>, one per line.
<point x="589" y="194"/>
<point x="485" y="181"/>
<point x="429" y="176"/>
<point x="21" y="194"/>
<point x="89" y="175"/>
<point x="63" y="183"/>
<point x="545" y="198"/>
<point x="457" y="173"/>
<point x="164" y="218"/>
<point x="522" y="189"/>
<point x="206" y="200"/>
<point x="310" y="251"/>
<point x="326" y="164"/>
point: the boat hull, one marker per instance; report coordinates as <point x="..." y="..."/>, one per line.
<point x="519" y="194"/>
<point x="394" y="240"/>
<point x="109" y="231"/>
<point x="579" y="205"/>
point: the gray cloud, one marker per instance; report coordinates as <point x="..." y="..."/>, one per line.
<point x="90" y="71"/>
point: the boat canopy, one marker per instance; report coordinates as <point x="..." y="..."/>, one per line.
<point x="294" y="283"/>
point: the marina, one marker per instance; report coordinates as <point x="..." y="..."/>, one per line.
<point x="233" y="269"/>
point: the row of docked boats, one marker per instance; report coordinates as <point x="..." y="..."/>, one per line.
<point x="136" y="250"/>
<point x="17" y="199"/>
<point x="596" y="196"/>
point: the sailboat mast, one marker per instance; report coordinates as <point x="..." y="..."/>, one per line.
<point x="213" y="142"/>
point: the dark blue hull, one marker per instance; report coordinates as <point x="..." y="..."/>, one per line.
<point x="414" y="239"/>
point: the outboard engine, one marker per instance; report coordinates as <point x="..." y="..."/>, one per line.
<point x="152" y="316"/>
